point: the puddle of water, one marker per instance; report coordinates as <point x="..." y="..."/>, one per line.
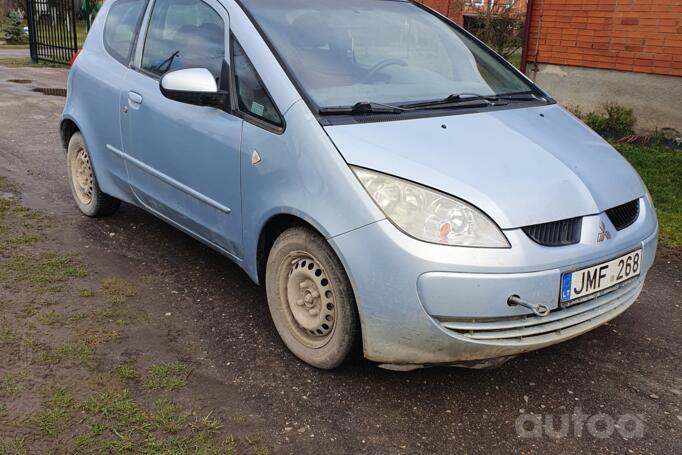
<point x="50" y="91"/>
<point x="19" y="81"/>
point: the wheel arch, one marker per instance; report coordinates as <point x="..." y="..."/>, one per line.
<point x="278" y="224"/>
<point x="271" y="230"/>
<point x="67" y="128"/>
<point x="108" y="169"/>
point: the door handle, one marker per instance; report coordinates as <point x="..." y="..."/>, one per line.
<point x="135" y="97"/>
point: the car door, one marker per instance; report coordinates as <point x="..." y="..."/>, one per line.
<point x="183" y="161"/>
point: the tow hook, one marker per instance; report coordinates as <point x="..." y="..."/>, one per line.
<point x="537" y="308"/>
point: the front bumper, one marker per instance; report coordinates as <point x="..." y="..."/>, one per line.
<point x="424" y="304"/>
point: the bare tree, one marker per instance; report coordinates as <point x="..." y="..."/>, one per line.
<point x="499" y="24"/>
<point x="10" y="5"/>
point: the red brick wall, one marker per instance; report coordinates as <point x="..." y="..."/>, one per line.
<point x="630" y="35"/>
<point x="451" y="8"/>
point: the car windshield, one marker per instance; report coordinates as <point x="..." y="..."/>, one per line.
<point x="381" y="51"/>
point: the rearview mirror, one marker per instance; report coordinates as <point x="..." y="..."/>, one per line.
<point x="193" y="86"/>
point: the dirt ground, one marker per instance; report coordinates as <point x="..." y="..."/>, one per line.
<point x="125" y="334"/>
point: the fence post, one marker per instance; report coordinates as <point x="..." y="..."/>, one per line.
<point x="75" y="25"/>
<point x="30" y="16"/>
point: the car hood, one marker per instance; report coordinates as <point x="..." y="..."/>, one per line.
<point x="521" y="166"/>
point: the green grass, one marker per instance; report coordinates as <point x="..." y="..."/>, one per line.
<point x="167" y="376"/>
<point x="51" y="317"/>
<point x="110" y="419"/>
<point x="126" y="372"/>
<point x="54" y="415"/>
<point x="77" y="317"/>
<point x="8" y="386"/>
<point x="12" y="446"/>
<point x="117" y="290"/>
<point x="42" y="270"/>
<point x="23" y="239"/>
<point x="117" y="424"/>
<point x="167" y="417"/>
<point x="661" y="170"/>
<point x="256" y="443"/>
<point x="20" y="62"/>
<point x="7" y="336"/>
<point x="78" y="352"/>
<point x="20" y="225"/>
<point x="6" y="186"/>
<point x="85" y="293"/>
<point x="117" y="408"/>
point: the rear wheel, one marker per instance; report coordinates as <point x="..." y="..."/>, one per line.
<point x="310" y="298"/>
<point x="83" y="182"/>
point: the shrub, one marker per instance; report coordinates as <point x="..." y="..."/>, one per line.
<point x="13" y="27"/>
<point x="610" y="120"/>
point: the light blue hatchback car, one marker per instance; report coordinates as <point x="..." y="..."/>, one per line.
<point x="388" y="178"/>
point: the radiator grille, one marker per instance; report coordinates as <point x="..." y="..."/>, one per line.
<point x="624" y="215"/>
<point x="557" y="233"/>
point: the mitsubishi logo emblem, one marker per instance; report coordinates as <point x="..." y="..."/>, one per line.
<point x="604" y="234"/>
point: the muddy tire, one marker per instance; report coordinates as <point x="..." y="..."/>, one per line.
<point x="83" y="182"/>
<point x="310" y="298"/>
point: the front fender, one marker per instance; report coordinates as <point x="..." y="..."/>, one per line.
<point x="300" y="174"/>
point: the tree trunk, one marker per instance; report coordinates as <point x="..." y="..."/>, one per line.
<point x="4" y="9"/>
<point x="9" y="5"/>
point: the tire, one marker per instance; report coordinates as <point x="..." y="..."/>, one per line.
<point x="83" y="182"/>
<point x="311" y="299"/>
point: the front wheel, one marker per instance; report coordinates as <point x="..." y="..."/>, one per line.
<point x="310" y="298"/>
<point x="83" y="182"/>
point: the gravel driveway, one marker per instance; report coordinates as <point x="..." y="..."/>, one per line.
<point x="617" y="388"/>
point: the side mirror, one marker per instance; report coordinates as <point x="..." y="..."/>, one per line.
<point x="193" y="86"/>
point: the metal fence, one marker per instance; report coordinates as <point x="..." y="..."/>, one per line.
<point x="52" y="30"/>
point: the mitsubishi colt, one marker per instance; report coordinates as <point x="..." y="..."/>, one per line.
<point x="391" y="181"/>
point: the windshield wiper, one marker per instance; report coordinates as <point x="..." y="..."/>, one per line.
<point x="466" y="100"/>
<point x="363" y="107"/>
<point x="454" y="100"/>
<point x="461" y="100"/>
<point x="522" y="97"/>
<point x="167" y="63"/>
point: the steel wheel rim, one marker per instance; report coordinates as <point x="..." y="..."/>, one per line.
<point x="82" y="176"/>
<point x="310" y="300"/>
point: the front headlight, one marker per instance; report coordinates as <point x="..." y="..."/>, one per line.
<point x="428" y="215"/>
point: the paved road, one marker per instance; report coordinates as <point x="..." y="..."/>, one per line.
<point x="628" y="371"/>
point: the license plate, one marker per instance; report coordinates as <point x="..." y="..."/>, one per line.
<point x="585" y="282"/>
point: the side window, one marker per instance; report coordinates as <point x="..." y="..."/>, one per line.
<point x="251" y="94"/>
<point x="184" y="34"/>
<point x="120" y="28"/>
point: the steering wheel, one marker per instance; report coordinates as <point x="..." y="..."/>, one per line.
<point x="381" y="65"/>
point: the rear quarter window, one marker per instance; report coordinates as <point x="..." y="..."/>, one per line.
<point x="120" y="28"/>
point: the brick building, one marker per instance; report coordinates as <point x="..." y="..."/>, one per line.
<point x="587" y="52"/>
<point x="453" y="9"/>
